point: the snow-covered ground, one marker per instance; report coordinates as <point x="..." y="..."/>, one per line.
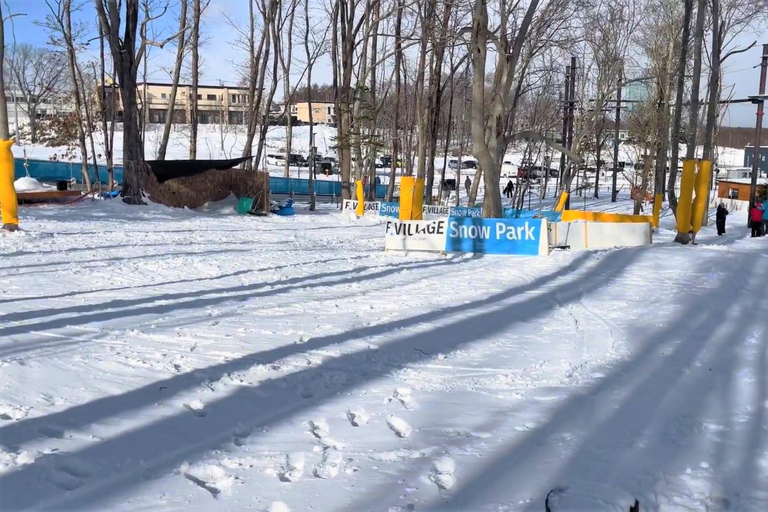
<point x="157" y="359"/>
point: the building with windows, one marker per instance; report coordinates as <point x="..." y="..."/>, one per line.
<point x="762" y="163"/>
<point x="323" y="112"/>
<point x="215" y="103"/>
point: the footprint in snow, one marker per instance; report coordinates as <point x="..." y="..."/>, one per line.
<point x="241" y="434"/>
<point x="197" y="407"/>
<point x="294" y="467"/>
<point x="12" y="412"/>
<point x="405" y="398"/>
<point x="210" y="477"/>
<point x="70" y="474"/>
<point x="330" y="466"/>
<point x="442" y="472"/>
<point x="358" y="417"/>
<point x="319" y="428"/>
<point x="399" y="426"/>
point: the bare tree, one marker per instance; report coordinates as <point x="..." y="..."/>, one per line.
<point x="198" y="8"/>
<point x="170" y="112"/>
<point x="286" y="58"/>
<point x="59" y="22"/>
<point x="4" y="131"/>
<point x="516" y="28"/>
<point x="37" y="75"/>
<point x="127" y="52"/>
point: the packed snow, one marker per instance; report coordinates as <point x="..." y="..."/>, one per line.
<point x="160" y="359"/>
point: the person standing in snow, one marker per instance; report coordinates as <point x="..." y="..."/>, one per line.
<point x="467" y="185"/>
<point x="722" y="212"/>
<point x="756" y="220"/>
<point x="509" y="189"/>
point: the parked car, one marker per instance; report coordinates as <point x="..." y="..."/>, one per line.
<point x="453" y="163"/>
<point x="275" y="159"/>
<point x="508" y="169"/>
<point x="298" y="160"/>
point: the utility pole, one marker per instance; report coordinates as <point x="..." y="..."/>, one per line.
<point x="566" y="97"/>
<point x="758" y="127"/>
<point x="571" y="108"/>
<point x="614" y="193"/>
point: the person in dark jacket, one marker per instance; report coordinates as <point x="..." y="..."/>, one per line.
<point x="756" y="220"/>
<point x="509" y="189"/>
<point x="722" y="212"/>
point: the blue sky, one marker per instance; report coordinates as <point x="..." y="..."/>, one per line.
<point x="220" y="57"/>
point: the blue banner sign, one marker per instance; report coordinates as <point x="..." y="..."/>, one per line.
<point x="389" y="209"/>
<point x="463" y="211"/>
<point x="496" y="236"/>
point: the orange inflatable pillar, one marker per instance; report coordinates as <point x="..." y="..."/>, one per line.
<point x="9" y="206"/>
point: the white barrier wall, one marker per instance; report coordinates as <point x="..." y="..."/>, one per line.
<point x="416" y="235"/>
<point x="600" y="235"/>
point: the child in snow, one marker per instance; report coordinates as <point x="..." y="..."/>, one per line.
<point x="722" y="211"/>
<point x="756" y="220"/>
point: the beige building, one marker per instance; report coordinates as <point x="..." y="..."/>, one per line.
<point x="215" y="103"/>
<point x="323" y="112"/>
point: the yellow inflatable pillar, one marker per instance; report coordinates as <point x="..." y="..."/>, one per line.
<point x="9" y="206"/>
<point x="658" y="200"/>
<point x="561" y="202"/>
<point x="406" y="196"/>
<point x="411" y="198"/>
<point x="417" y="212"/>
<point x="360" y="195"/>
<point x="684" y="204"/>
<point x="700" y="205"/>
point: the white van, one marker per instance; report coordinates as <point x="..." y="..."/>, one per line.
<point x="274" y="159"/>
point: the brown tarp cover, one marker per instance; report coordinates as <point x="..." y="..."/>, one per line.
<point x="165" y="170"/>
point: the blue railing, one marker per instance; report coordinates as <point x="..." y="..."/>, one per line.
<point x="44" y="170"/>
<point x="299" y="187"/>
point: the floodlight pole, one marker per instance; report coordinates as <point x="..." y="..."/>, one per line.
<point x="614" y="193"/>
<point x="758" y="129"/>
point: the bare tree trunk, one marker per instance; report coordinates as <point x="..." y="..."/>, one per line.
<point x="72" y="58"/>
<point x="103" y="106"/>
<point x="126" y="58"/>
<point x="398" y="94"/>
<point x="195" y="41"/>
<point x="678" y="120"/>
<point x="4" y="131"/>
<point x="285" y="62"/>
<point x="170" y="111"/>
<point x="312" y="152"/>
<point x="258" y="66"/>
<point x="698" y="39"/>
<point x="714" y="93"/>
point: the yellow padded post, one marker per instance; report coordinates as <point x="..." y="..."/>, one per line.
<point x="701" y="202"/>
<point x="684" y="203"/>
<point x="657" y="202"/>
<point x="360" y="195"/>
<point x="9" y="206"/>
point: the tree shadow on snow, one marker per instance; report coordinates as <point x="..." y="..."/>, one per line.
<point x="632" y="427"/>
<point x="167" y="442"/>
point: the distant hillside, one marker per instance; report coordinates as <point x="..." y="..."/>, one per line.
<point x="731" y="137"/>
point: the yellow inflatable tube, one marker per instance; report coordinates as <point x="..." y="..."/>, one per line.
<point x="9" y="206"/>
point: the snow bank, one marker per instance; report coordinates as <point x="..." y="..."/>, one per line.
<point x="27" y="184"/>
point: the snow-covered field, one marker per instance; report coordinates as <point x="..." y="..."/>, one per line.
<point x="156" y="359"/>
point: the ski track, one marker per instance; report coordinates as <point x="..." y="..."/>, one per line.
<point x="157" y="359"/>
